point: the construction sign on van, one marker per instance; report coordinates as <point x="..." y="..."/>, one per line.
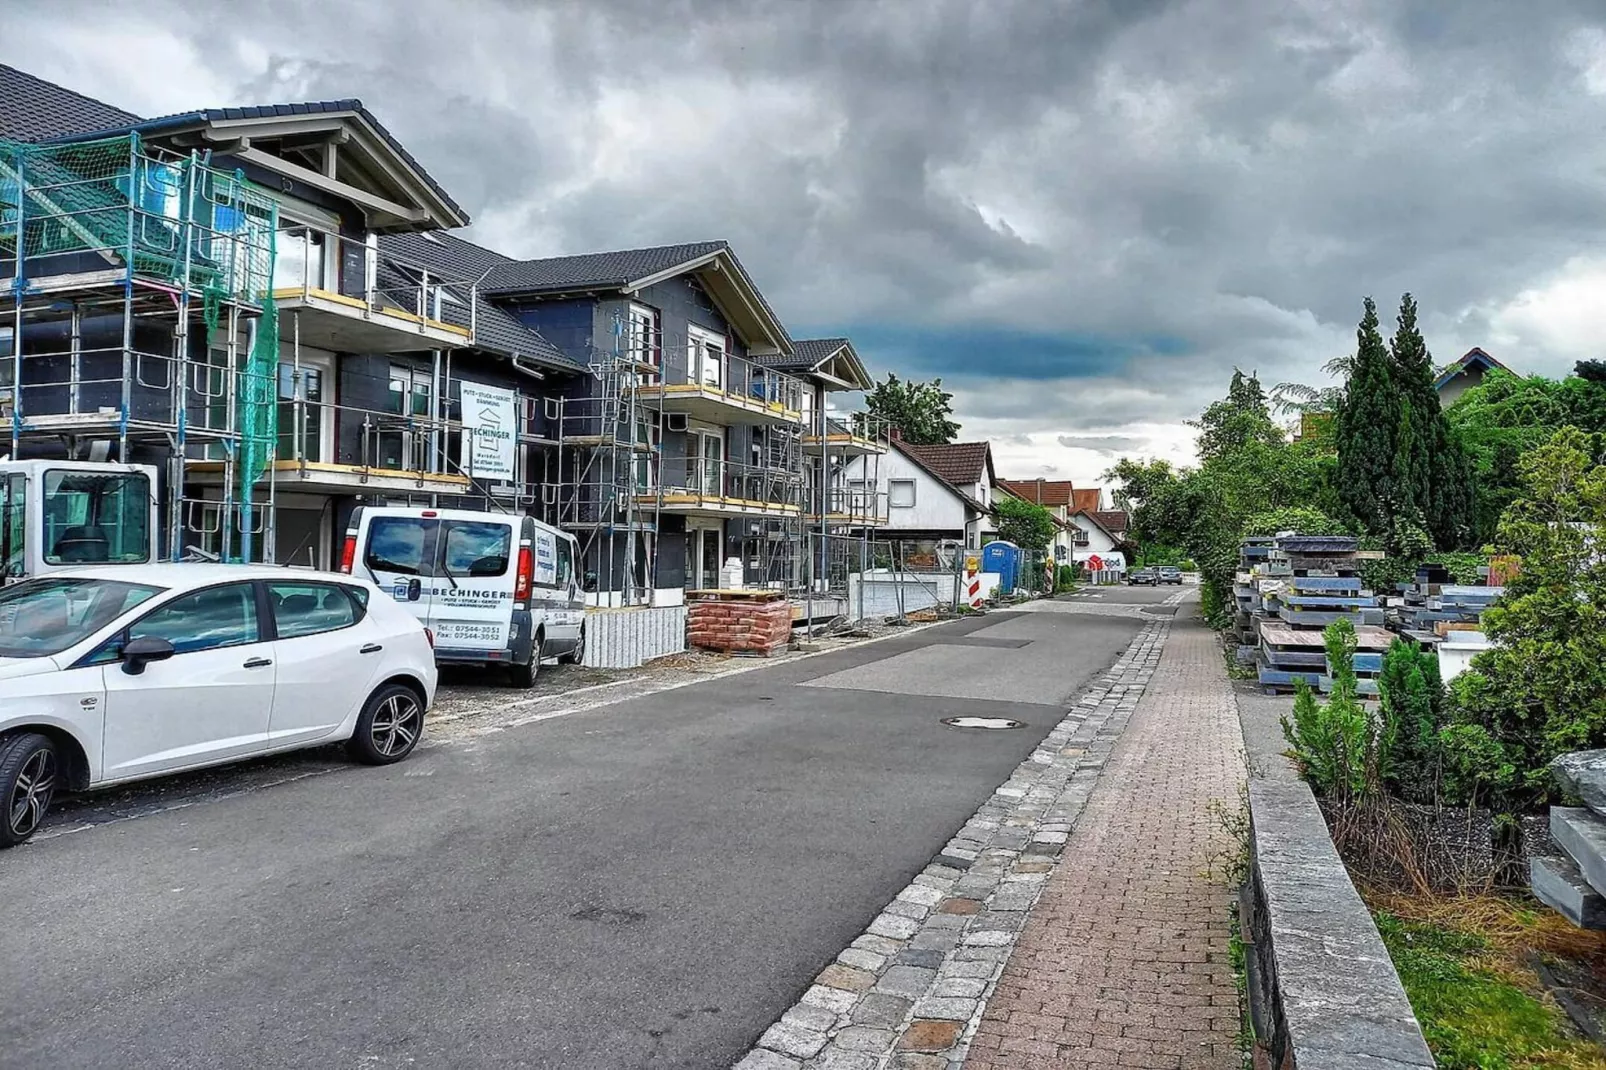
<point x="490" y="430"/>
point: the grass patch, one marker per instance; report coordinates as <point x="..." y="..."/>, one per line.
<point x="1479" y="1005"/>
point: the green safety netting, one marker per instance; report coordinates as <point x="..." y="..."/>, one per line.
<point x="172" y="221"/>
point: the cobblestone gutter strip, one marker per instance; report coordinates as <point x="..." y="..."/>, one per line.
<point x="909" y="993"/>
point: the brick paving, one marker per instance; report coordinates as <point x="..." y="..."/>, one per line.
<point x="1124" y="959"/>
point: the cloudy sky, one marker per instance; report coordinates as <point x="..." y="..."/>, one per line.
<point x="1081" y="215"/>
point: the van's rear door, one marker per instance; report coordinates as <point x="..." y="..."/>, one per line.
<point x="472" y="606"/>
<point x="397" y="552"/>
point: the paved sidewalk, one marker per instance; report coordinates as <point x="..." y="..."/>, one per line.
<point x="1124" y="959"/>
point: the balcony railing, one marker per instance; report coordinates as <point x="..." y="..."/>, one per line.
<point x="714" y="381"/>
<point x="349" y="280"/>
<point x="852" y="433"/>
<point x="728" y="487"/>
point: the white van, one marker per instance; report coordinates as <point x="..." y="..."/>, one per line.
<point x="493" y="588"/>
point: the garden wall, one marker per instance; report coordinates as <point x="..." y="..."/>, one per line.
<point x="1322" y="989"/>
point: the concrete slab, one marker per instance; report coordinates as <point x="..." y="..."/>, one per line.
<point x="1557" y="883"/>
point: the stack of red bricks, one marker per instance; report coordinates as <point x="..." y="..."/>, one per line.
<point x="739" y="622"/>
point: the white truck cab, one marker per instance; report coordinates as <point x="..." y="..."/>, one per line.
<point x="60" y="515"/>
<point x="492" y="588"/>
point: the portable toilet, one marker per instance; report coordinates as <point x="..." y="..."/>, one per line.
<point x="1002" y="558"/>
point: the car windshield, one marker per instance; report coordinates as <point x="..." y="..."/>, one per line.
<point x="46" y="616"/>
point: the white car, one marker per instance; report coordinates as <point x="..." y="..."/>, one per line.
<point x="119" y="673"/>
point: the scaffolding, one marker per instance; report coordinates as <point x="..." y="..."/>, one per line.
<point x="606" y="487"/>
<point x="138" y="293"/>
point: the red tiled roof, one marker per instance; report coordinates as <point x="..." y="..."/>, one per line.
<point x="1047" y="492"/>
<point x="1113" y="520"/>
<point x="1085" y="500"/>
<point x="957" y="462"/>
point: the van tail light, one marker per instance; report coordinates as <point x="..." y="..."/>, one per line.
<point x="526" y="573"/>
<point x="348" y="554"/>
<point x="429" y="634"/>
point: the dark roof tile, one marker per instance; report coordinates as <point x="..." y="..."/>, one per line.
<point x="595" y="271"/>
<point x="32" y="109"/>
<point x="496" y="330"/>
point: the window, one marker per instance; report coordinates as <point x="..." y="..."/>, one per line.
<point x="398" y="544"/>
<point x="90" y="517"/>
<point x="706" y="463"/>
<point x="707" y="363"/>
<point x="476" y="547"/>
<point x="411" y="396"/>
<point x="203" y="620"/>
<point x="46" y="616"/>
<point x="306" y="385"/>
<point x="565" y="564"/>
<point x="901" y="493"/>
<point x="645" y="341"/>
<point x="310" y="608"/>
<point x="13" y="515"/>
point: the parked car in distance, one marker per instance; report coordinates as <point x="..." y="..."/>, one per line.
<point x="1170" y="574"/>
<point x="493" y="588"/>
<point x="119" y="673"/>
<point x="1143" y="577"/>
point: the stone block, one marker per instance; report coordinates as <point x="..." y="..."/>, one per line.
<point x="1582" y="834"/>
<point x="1557" y="883"/>
<point x="1583" y="774"/>
<point x="792" y="1040"/>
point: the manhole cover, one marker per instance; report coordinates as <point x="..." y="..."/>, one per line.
<point x="982" y="722"/>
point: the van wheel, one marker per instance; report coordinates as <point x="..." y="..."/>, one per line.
<point x="524" y="676"/>
<point x="28" y="772"/>
<point x="389" y="726"/>
<point x="577" y="656"/>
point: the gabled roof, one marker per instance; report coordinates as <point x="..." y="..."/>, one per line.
<point x="627" y="271"/>
<point x="1085" y="500"/>
<point x="32" y="109"/>
<point x="956" y="462"/>
<point x="942" y="480"/>
<point x="495" y="329"/>
<point x="816" y="354"/>
<point x="1113" y="520"/>
<point x="1471" y="359"/>
<point x="623" y="269"/>
<point x="1114" y="534"/>
<point x="1045" y="492"/>
<point x="232" y="124"/>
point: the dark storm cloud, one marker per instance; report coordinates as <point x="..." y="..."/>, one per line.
<point x="1078" y="213"/>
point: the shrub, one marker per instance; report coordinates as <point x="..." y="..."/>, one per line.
<point x="1412" y="710"/>
<point x="1541" y="691"/>
<point x="1338" y="746"/>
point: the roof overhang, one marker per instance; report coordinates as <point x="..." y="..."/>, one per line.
<point x="841" y="369"/>
<point x="1091" y="519"/>
<point x="342" y="152"/>
<point x="733" y="291"/>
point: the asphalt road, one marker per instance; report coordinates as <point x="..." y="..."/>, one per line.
<point x="643" y="884"/>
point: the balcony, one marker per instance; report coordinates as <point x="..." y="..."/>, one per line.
<point x="394" y="453"/>
<point x="715" y="488"/>
<point x="338" y="293"/>
<point x="852" y="507"/>
<point x="855" y="435"/>
<point x="723" y="389"/>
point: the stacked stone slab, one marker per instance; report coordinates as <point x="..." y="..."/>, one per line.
<point x="1573" y="882"/>
<point x="1431" y="605"/>
<point x="739" y="622"/>
<point x="1253" y="573"/>
<point x="1309" y="582"/>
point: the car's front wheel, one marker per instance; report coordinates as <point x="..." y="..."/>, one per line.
<point x="29" y="772"/>
<point x="389" y="726"/>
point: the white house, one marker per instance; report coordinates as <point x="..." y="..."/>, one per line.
<point x="934" y="493"/>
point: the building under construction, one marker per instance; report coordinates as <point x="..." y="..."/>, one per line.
<point x="266" y="305"/>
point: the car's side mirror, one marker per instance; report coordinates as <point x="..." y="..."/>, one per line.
<point x="137" y="653"/>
